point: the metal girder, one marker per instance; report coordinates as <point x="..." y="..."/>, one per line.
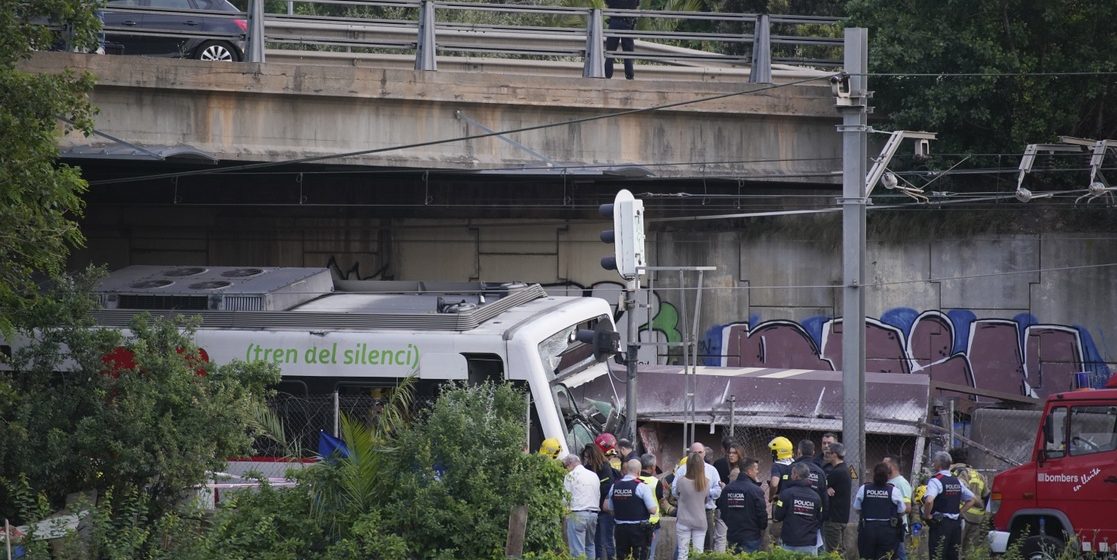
<point x="880" y="165"/>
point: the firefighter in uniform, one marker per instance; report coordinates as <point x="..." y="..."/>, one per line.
<point x="879" y="505"/>
<point x="550" y="448"/>
<point x="946" y="497"/>
<point x="632" y="503"/>
<point x="781" y="473"/>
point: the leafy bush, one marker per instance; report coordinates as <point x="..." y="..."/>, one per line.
<point x="144" y="429"/>
<point x="268" y="523"/>
<point x="460" y="472"/>
<point x="442" y="487"/>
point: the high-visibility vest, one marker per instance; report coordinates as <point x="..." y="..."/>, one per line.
<point x="652" y="483"/>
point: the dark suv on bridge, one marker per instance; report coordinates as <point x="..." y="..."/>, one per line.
<point x="135" y="27"/>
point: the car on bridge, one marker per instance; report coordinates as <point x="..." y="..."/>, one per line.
<point x="199" y="29"/>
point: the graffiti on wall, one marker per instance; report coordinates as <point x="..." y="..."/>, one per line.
<point x="1019" y="355"/>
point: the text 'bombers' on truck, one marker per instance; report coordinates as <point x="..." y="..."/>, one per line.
<point x="329" y="335"/>
<point x="1069" y="488"/>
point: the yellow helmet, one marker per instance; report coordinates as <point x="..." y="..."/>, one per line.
<point x="550" y="447"/>
<point x="919" y="494"/>
<point x="781" y="447"/>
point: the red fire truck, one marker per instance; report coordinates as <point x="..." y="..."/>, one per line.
<point x="1068" y="491"/>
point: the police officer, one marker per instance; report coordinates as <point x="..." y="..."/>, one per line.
<point x="805" y="455"/>
<point x="946" y="497"/>
<point x="626" y="43"/>
<point x="799" y="507"/>
<point x="632" y="503"/>
<point x="743" y="509"/>
<point x="781" y="471"/>
<point x="880" y="506"/>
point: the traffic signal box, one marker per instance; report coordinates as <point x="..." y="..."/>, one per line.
<point x="627" y="235"/>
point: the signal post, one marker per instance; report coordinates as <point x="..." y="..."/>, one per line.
<point x="629" y="260"/>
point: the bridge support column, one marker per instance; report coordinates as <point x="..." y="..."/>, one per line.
<point x="595" y="46"/>
<point x="761" y="71"/>
<point x="255" y="46"/>
<point x="425" y="46"/>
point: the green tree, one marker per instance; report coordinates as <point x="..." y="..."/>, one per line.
<point x="346" y="488"/>
<point x="39" y="198"/>
<point x="460" y="471"/>
<point x="1013" y="40"/>
<point x="151" y="421"/>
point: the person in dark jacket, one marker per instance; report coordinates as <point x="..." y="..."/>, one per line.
<point x="880" y="506"/>
<point x="743" y="508"/>
<point x="820" y="459"/>
<point x="626" y="43"/>
<point x="626" y="450"/>
<point x="805" y="455"/>
<point x="799" y="507"/>
<point x="839" y="486"/>
<point x="594" y="460"/>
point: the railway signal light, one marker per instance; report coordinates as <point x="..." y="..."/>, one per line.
<point x="627" y="235"/>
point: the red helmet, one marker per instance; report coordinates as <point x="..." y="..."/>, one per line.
<point x="605" y="442"/>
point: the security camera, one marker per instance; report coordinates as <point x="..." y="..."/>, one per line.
<point x="922" y="149"/>
<point x="839" y="84"/>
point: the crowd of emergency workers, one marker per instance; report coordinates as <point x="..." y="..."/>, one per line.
<point x="617" y="499"/>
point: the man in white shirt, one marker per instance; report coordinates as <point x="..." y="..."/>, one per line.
<point x="715" y="480"/>
<point x="584" y="489"/>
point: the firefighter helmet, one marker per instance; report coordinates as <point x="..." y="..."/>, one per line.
<point x="550" y="448"/>
<point x="781" y="447"/>
<point x="605" y="442"/>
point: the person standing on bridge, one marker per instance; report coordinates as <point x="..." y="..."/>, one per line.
<point x="626" y="43"/>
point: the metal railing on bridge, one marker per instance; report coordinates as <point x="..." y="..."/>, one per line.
<point x="430" y="32"/>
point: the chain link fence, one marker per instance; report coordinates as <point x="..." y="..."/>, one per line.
<point x="303" y="417"/>
<point x="994" y="436"/>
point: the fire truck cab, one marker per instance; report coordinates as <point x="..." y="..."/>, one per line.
<point x="1069" y="488"/>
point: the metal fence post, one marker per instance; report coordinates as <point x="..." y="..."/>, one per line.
<point x="733" y="416"/>
<point x="255" y="45"/>
<point x="595" y="46"/>
<point x="337" y="413"/>
<point x="424" y="49"/>
<point x="761" y="71"/>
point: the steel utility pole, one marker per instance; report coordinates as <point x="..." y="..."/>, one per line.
<point x="631" y="360"/>
<point x="852" y="94"/>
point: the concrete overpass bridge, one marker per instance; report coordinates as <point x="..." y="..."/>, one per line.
<point x="523" y="206"/>
<point x="278" y="112"/>
<point x="169" y="187"/>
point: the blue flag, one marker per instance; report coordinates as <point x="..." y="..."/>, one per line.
<point x="329" y="446"/>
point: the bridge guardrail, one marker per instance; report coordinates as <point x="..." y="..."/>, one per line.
<point x="436" y="30"/>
